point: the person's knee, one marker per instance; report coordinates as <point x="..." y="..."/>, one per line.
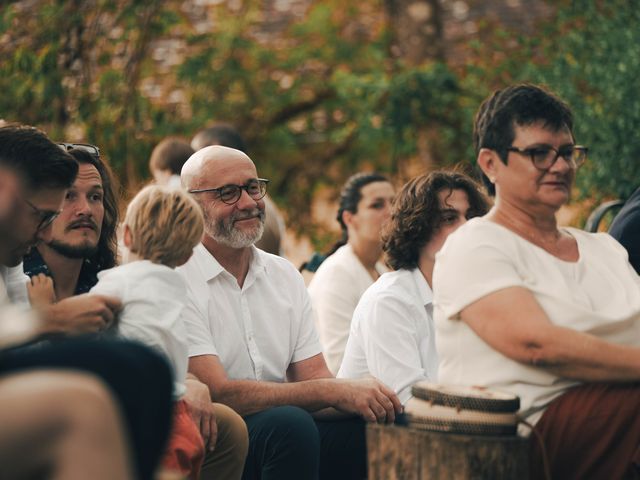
<point x="68" y="396"/>
<point x="232" y="432"/>
<point x="293" y="427"/>
<point x="284" y="443"/>
<point x="88" y="402"/>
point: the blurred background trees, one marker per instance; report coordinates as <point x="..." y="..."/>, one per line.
<point x="320" y="89"/>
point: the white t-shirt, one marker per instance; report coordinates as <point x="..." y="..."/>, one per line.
<point x="335" y="290"/>
<point x="599" y="294"/>
<point x="256" y="331"/>
<point x="153" y="298"/>
<point x="392" y="333"/>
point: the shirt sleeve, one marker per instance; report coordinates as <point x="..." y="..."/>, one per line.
<point x="307" y="344"/>
<point x="625" y="254"/>
<point x="391" y="347"/>
<point x="471" y="265"/>
<point x="132" y="326"/>
<point x="196" y="321"/>
<point x="109" y="285"/>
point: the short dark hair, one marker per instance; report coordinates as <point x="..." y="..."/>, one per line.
<point x="37" y="161"/>
<point x="106" y="254"/>
<point x="416" y="214"/>
<point x="522" y="104"/>
<point x="219" y="134"/>
<point x="170" y="154"/>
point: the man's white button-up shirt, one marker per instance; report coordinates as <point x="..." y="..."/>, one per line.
<point x="392" y="333"/>
<point x="256" y="331"/>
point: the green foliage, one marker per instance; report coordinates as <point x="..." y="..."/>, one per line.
<point x="595" y="67"/>
<point x="317" y="96"/>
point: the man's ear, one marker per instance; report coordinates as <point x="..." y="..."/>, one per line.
<point x="127" y="237"/>
<point x="487" y="160"/>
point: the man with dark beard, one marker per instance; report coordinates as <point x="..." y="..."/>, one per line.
<point x="252" y="339"/>
<point x="82" y="243"/>
<point x="83" y="237"/>
<point x="42" y="173"/>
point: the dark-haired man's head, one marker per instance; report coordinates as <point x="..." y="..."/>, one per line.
<point x="167" y="159"/>
<point x="86" y="228"/>
<point x="42" y="172"/>
<point x="517" y="105"/>
<point x="219" y="134"/>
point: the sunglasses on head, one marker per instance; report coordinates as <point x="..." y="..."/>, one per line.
<point x="85" y="147"/>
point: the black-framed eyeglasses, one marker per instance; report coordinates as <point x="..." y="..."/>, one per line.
<point x="230" y="194"/>
<point x="86" y="147"/>
<point x="543" y="158"/>
<point x="46" y="216"/>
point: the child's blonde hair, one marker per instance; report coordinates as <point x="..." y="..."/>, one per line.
<point x="165" y="224"/>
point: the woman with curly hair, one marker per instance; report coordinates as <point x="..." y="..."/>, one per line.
<point x="392" y="331"/>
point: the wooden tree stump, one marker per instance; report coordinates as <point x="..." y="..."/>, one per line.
<point x="404" y="453"/>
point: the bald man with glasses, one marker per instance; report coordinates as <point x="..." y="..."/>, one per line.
<point x="252" y="338"/>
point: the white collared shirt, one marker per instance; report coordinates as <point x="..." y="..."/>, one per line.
<point x="392" y="333"/>
<point x="335" y="290"/>
<point x="153" y="302"/>
<point x="256" y="331"/>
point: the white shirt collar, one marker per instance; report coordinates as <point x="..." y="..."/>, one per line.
<point x="424" y="290"/>
<point x="211" y="268"/>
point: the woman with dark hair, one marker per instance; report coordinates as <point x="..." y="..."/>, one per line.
<point x="353" y="262"/>
<point x="542" y="311"/>
<point x="392" y="332"/>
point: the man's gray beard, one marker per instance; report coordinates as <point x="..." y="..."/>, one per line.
<point x="224" y="232"/>
<point x="73" y="251"/>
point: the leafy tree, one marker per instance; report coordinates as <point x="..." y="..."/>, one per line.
<point x="590" y="55"/>
<point x="318" y="94"/>
<point x="594" y="64"/>
<point x="75" y="68"/>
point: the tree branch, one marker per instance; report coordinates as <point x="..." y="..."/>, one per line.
<point x="295" y="109"/>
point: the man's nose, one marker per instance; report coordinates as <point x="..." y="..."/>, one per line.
<point x="245" y="201"/>
<point x="82" y="207"/>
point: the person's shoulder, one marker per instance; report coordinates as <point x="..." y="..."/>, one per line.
<point x="596" y="241"/>
<point x="342" y="263"/>
<point x="627" y="221"/>
<point x="474" y="233"/>
<point x="392" y="292"/>
<point x="110" y="272"/>
<point x="591" y="237"/>
<point x="391" y="285"/>
<point x="274" y="263"/>
<point x="193" y="268"/>
<point x="278" y="269"/>
<point x="33" y="263"/>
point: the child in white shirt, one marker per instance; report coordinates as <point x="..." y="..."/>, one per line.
<point x="161" y="228"/>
